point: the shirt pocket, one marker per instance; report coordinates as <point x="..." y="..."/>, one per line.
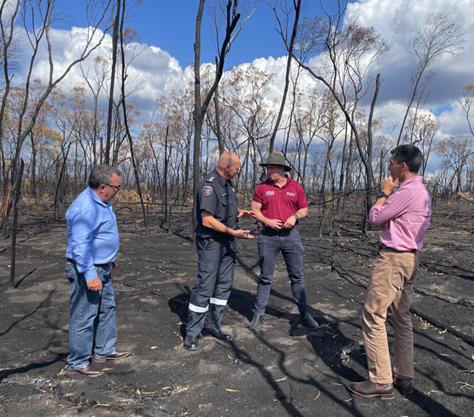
<point x="229" y="207"/>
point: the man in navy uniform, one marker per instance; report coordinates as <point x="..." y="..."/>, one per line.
<point x="217" y="212"/>
<point x="279" y="203"/>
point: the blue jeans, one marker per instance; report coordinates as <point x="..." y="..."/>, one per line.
<point x="270" y="244"/>
<point x="92" y="328"/>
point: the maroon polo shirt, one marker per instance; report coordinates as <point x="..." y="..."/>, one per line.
<point x="280" y="203"/>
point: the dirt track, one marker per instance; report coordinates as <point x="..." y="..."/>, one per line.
<point x="282" y="369"/>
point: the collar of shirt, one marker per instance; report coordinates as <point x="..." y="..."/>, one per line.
<point x="287" y="183"/>
<point x="416" y="178"/>
<point x="96" y="198"/>
<point x="222" y="179"/>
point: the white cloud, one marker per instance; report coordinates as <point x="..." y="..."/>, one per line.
<point x="396" y="20"/>
<point x="454" y="122"/>
<point x="154" y="72"/>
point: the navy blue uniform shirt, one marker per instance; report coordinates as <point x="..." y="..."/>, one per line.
<point x="218" y="197"/>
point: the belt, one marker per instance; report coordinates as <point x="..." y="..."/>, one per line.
<point x="278" y="232"/>
<point x="382" y="246"/>
<point x="73" y="262"/>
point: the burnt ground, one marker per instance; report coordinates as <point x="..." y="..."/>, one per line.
<point x="281" y="369"/>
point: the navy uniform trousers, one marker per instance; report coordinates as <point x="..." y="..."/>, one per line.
<point x="213" y="283"/>
<point x="270" y="243"/>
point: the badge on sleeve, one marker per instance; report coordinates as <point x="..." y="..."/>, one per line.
<point x="207" y="191"/>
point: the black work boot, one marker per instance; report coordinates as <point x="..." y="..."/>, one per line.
<point x="256" y="322"/>
<point x="308" y="320"/>
<point x="191" y="342"/>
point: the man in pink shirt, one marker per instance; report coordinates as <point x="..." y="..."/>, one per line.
<point x="405" y="216"/>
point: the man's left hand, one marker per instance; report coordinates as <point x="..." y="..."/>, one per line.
<point x="94" y="284"/>
<point x="113" y="264"/>
<point x="290" y="222"/>
<point x="388" y="185"/>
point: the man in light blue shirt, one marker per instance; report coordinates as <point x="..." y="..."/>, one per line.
<point x="92" y="246"/>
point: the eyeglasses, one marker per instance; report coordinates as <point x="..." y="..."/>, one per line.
<point x="115" y="187"/>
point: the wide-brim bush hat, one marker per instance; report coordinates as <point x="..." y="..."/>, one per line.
<point x="276" y="158"/>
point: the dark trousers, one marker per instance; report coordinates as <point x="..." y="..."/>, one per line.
<point x="269" y="246"/>
<point x="213" y="283"/>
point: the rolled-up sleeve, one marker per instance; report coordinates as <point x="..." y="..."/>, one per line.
<point x="395" y="206"/>
<point x="82" y="225"/>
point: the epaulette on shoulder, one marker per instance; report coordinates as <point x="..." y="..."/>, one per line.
<point x="211" y="179"/>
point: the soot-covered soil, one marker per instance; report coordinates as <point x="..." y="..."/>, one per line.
<point x="281" y="369"/>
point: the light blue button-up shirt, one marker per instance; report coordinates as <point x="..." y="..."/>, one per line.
<point x="92" y="236"/>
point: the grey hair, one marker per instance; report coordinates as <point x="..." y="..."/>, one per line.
<point x="102" y="174"/>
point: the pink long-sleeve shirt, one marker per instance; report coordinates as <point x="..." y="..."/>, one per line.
<point x="405" y="216"/>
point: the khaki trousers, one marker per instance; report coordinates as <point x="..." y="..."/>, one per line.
<point x="388" y="299"/>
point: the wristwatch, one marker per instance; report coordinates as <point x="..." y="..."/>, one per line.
<point x="381" y="194"/>
<point x="297" y="217"/>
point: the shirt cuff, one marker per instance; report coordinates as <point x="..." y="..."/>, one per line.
<point x="374" y="215"/>
<point x="90" y="274"/>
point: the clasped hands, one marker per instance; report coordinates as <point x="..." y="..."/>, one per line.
<point x="279" y="225"/>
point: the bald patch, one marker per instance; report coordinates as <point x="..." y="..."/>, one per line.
<point x="228" y="158"/>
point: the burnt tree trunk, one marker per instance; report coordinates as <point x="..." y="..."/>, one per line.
<point x="15" y="227"/>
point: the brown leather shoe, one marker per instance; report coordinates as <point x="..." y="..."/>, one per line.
<point x="404" y="385"/>
<point x="369" y="389"/>
<point x="118" y="354"/>
<point x="88" y="370"/>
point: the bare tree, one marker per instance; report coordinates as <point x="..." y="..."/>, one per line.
<point x="8" y="49"/>
<point x="115" y="39"/>
<point x="423" y="130"/>
<point x="290" y="44"/>
<point x="456" y="152"/>
<point x="95" y="83"/>
<point x="43" y="12"/>
<point x="124" y="108"/>
<point x="350" y="50"/>
<point x="467" y="101"/>
<point x="232" y="17"/>
<point x="439" y="35"/>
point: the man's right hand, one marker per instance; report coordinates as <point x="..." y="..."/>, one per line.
<point x="242" y="234"/>
<point x="274" y="224"/>
<point x="94" y="284"/>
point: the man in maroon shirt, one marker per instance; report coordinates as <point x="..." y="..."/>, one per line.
<point x="279" y="203"/>
<point x="405" y="216"/>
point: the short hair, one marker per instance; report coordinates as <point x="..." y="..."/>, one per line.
<point x="102" y="174"/>
<point x="409" y="154"/>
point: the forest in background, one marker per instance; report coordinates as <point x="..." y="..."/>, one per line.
<point x="51" y="137"/>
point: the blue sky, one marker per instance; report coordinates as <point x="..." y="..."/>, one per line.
<point x="170" y="25"/>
